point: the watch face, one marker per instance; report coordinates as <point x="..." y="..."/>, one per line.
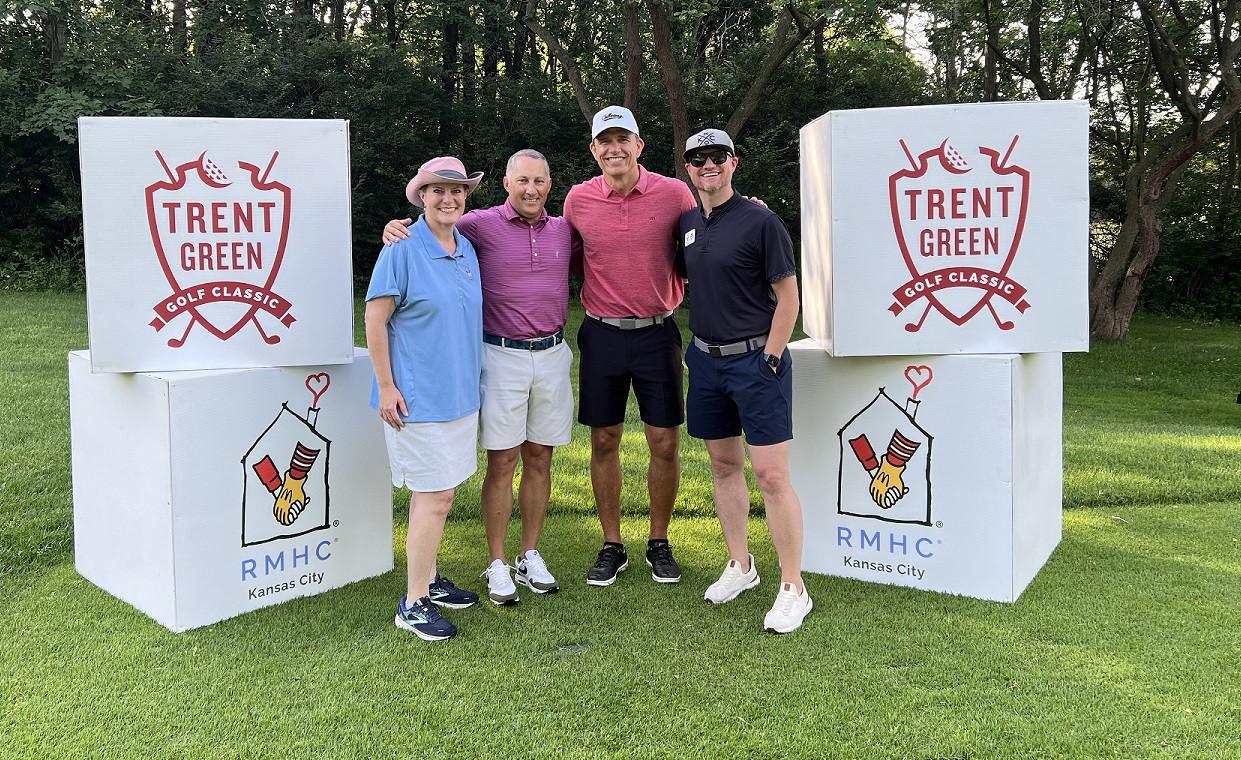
<point x="773" y="361"/>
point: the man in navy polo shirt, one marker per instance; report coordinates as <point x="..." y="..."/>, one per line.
<point x="738" y="258"/>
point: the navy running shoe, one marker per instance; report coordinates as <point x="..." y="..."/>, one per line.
<point x="424" y="620"/>
<point x="446" y="594"/>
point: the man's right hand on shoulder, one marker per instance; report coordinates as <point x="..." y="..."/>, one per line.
<point x="397" y="229"/>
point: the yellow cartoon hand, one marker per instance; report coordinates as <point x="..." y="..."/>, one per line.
<point x="292" y="500"/>
<point x="887" y="487"/>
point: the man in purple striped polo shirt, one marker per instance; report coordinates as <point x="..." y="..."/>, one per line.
<point x="527" y="395"/>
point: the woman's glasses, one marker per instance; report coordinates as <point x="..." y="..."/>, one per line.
<point x="699" y="160"/>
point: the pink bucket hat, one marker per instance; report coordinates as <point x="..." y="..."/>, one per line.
<point x="444" y="169"/>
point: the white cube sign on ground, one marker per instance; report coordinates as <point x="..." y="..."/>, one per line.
<point x="946" y="229"/>
<point x="216" y="243"/>
<point x="200" y="495"/>
<point x="941" y="473"/>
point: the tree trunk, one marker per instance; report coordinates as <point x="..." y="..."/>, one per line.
<point x="1151" y="182"/>
<point x="673" y="83"/>
<point x="179" y="36"/>
<point x="55" y="34"/>
<point x="491" y="44"/>
<point x="783" y="42"/>
<point x="633" y="55"/>
<point x="338" y="19"/>
<point x="448" y="128"/>
<point x="571" y="72"/>
<point x="390" y="18"/>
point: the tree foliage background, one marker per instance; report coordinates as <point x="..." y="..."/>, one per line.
<point x="483" y="78"/>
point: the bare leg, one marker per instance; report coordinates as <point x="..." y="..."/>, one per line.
<point x="605" y="477"/>
<point x="732" y="496"/>
<point x="663" y="475"/>
<point x="498" y="498"/>
<point x="427" y="513"/>
<point x="534" y="492"/>
<point x="784" y="518"/>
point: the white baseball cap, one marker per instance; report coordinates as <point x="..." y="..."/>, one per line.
<point x="709" y="138"/>
<point x="613" y="116"/>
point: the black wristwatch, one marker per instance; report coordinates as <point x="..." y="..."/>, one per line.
<point x="773" y="361"/>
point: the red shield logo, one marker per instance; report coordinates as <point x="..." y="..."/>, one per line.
<point x="958" y="221"/>
<point x="220" y="241"/>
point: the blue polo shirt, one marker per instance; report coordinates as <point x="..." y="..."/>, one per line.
<point x="435" y="336"/>
<point x="731" y="258"/>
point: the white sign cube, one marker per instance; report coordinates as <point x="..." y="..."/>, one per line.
<point x="200" y="495"/>
<point x="216" y="243"/>
<point x="947" y="229"/>
<point x="941" y="473"/>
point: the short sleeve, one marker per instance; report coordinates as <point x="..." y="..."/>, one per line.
<point x="777" y="250"/>
<point x="388" y="278"/>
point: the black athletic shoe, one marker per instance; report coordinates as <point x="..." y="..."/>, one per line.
<point x="664" y="568"/>
<point x="612" y="559"/>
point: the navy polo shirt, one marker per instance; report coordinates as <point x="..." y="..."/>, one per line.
<point x="731" y="258"/>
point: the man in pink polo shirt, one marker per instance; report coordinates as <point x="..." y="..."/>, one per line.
<point x="628" y="221"/>
<point x="527" y="395"/>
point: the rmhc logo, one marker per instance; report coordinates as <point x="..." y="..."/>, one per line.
<point x="220" y="245"/>
<point x="959" y="228"/>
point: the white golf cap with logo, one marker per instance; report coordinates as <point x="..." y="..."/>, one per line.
<point x="613" y="116"/>
<point x="709" y="138"/>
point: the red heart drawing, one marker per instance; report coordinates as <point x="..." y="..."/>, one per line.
<point x="919" y="376"/>
<point x="318" y="385"/>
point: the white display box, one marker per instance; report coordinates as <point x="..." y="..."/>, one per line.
<point x="216" y="243"/>
<point x="185" y="487"/>
<point x="948" y="229"/>
<point x="980" y="492"/>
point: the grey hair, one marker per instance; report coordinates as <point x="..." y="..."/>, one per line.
<point x="526" y="153"/>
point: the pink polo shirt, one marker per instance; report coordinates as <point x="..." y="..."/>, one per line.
<point x="524" y="270"/>
<point x="629" y="244"/>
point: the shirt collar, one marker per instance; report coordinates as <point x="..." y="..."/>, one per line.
<point x="430" y="245"/>
<point x="511" y="214"/>
<point x="726" y="206"/>
<point x="641" y="187"/>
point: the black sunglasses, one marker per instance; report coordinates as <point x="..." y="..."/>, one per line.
<point x="699" y="160"/>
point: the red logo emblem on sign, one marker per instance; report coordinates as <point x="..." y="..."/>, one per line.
<point x="220" y="243"/>
<point x="959" y="227"/>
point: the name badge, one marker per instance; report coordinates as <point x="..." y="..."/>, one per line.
<point x="689" y="237"/>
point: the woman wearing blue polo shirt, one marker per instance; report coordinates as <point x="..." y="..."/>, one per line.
<point x="424" y="330"/>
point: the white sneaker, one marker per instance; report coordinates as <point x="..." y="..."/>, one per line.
<point x="533" y="574"/>
<point x="732" y="582"/>
<point x="789" y="610"/>
<point x="500" y="588"/>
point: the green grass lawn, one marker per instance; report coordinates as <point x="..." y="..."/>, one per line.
<point x="1126" y="645"/>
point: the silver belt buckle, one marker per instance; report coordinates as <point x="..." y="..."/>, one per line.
<point x="628" y="323"/>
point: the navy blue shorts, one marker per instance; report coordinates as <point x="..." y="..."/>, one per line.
<point x="610" y="360"/>
<point x="729" y="394"/>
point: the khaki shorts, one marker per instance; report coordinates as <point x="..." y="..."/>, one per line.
<point x="433" y="456"/>
<point x="526" y="396"/>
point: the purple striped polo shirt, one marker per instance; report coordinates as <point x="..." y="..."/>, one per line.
<point x="524" y="270"/>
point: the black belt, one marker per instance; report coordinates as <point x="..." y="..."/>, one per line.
<point x="536" y="344"/>
<point x="633" y="323"/>
<point x="731" y="349"/>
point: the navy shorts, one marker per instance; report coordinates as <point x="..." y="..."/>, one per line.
<point x="729" y="394"/>
<point x="610" y="360"/>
